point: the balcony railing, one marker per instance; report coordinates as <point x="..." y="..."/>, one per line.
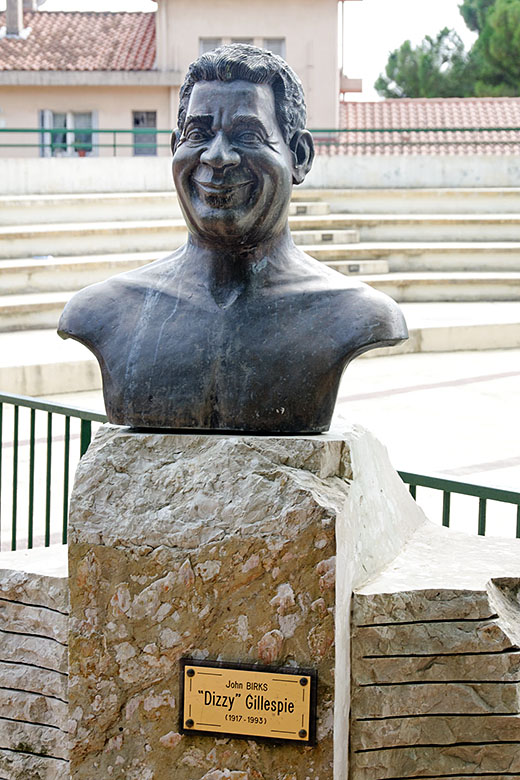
<point x="42" y="442"/>
<point x="351" y="141"/>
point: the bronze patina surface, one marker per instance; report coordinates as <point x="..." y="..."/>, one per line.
<point x="238" y="330"/>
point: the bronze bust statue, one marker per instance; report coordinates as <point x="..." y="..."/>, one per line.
<point x="238" y="330"/>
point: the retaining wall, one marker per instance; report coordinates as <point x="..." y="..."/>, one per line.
<point x="57" y="175"/>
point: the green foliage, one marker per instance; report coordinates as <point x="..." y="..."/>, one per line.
<point x="440" y="66"/>
<point x="497" y="51"/>
<point x="474" y="13"/>
<point x="437" y="67"/>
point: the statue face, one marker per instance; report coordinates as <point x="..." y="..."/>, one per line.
<point x="231" y="167"/>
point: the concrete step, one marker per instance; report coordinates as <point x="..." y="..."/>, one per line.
<point x="40" y="241"/>
<point x="114" y="207"/>
<point x="435" y="227"/>
<point x="64" y="274"/>
<point x="411" y="256"/>
<point x="87" y="238"/>
<point x="478" y="200"/>
<point x="453" y="287"/>
<point x="32" y="311"/>
<point x="325" y="237"/>
<point x="308" y="208"/>
<point x="96" y="207"/>
<point x="27" y="276"/>
<point x="39" y="363"/>
<point x="89" y="207"/>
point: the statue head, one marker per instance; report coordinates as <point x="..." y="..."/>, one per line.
<point x="240" y="144"/>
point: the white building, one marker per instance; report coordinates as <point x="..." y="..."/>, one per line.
<point x="73" y="71"/>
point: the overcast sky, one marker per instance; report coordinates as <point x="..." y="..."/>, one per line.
<point x="373" y="28"/>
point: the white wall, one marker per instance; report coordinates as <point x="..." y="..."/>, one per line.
<point x="379" y="172"/>
<point x="113" y="105"/>
<point x="310" y="29"/>
<point x="38" y="176"/>
<point x="20" y="176"/>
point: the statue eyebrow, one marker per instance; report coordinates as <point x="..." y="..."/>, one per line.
<point x="199" y="119"/>
<point x="246" y="120"/>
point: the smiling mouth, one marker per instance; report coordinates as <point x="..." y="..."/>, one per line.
<point x="221" y="189"/>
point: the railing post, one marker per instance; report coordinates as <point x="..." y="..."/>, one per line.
<point x="48" y="481"/>
<point x="85" y="436"/>
<point x="66" y="468"/>
<point x="1" y="448"/>
<point x="30" y="519"/>
<point x="15" y="477"/>
<point x="446" y="497"/>
<point x="482" y="506"/>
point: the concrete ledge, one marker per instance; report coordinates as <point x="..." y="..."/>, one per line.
<point x="399" y="171"/>
<point x="29" y="176"/>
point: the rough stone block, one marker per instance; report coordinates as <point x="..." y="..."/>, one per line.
<point x="33" y="708"/>
<point x="218" y="547"/>
<point x="34" y="621"/>
<point x="19" y="765"/>
<point x="34" y="680"/>
<point x="436" y="672"/>
<point x="35" y="650"/>
<point x="36" y="739"/>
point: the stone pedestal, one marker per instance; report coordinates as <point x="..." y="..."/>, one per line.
<point x="34" y="605"/>
<point x="225" y="548"/>
<point x="436" y="661"/>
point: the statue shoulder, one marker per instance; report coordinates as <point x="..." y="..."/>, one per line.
<point x="91" y="310"/>
<point x="375" y="318"/>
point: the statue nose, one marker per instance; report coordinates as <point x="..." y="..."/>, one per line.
<point x="219" y="153"/>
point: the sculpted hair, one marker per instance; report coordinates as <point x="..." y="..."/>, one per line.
<point x="239" y="61"/>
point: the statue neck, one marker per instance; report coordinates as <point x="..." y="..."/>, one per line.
<point x="230" y="270"/>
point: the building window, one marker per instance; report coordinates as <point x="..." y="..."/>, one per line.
<point x="275" y="45"/>
<point x="67" y="134"/>
<point x="82" y="140"/>
<point x="208" y="44"/>
<point x="242" y="40"/>
<point x="145" y="144"/>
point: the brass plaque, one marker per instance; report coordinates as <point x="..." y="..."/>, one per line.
<point x="248" y="701"/>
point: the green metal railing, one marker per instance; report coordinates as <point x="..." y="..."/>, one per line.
<point x="366" y="139"/>
<point x="37" y="460"/>
<point x="449" y="487"/>
<point x="328" y="140"/>
<point x="85" y="140"/>
<point x="36" y="463"/>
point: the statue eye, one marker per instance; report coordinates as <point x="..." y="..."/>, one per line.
<point x="197" y="135"/>
<point x="249" y="137"/>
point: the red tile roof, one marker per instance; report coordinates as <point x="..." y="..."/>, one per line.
<point x="424" y="120"/>
<point x="82" y="41"/>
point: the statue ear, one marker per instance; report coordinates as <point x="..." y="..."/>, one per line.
<point x="175" y="140"/>
<point x="302" y="148"/>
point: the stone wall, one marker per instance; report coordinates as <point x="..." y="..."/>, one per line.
<point x="34" y="605"/>
<point x="436" y="662"/>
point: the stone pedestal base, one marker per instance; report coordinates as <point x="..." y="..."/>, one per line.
<point x="435" y="661"/>
<point x="34" y="605"/>
<point x="223" y="548"/>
